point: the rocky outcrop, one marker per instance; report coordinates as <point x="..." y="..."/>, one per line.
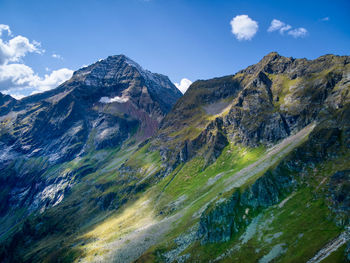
<point x="227" y="217"/>
<point x="211" y="141"/>
<point x="221" y="223"/>
<point x="268" y="190"/>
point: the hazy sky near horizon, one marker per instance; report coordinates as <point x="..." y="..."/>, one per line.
<point x="46" y="40"/>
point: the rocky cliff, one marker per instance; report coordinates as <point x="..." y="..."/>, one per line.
<point x="260" y="105"/>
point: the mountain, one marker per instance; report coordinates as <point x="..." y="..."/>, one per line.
<point x="281" y="95"/>
<point x="251" y="167"/>
<point x="107" y="105"/>
<point x="102" y="105"/>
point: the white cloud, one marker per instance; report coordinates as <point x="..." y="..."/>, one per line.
<point x="284" y="29"/>
<point x="5" y="28"/>
<point x="18" y="79"/>
<point x="17" y="48"/>
<point x="21" y="79"/>
<point x="298" y="32"/>
<point x="277" y="25"/>
<point x="52" y="80"/>
<point x="183" y="85"/>
<point x="57" y="56"/>
<point x="243" y="27"/>
<point x="114" y="99"/>
<point x="325" y="18"/>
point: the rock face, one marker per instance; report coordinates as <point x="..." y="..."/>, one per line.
<point x="260" y="105"/>
<point x="226" y="218"/>
<point x="104" y="103"/>
<point x="258" y="116"/>
<point x="327" y="142"/>
<point x="100" y="107"/>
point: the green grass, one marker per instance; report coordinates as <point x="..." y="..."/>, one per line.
<point x="191" y="179"/>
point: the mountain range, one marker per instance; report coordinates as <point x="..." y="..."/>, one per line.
<point x="115" y="165"/>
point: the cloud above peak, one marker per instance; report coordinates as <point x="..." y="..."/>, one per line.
<point x="282" y="27"/>
<point x="243" y="27"/>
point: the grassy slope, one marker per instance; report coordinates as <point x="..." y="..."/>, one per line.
<point x="186" y="191"/>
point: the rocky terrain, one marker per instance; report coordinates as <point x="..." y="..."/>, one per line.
<point x="115" y="166"/>
<point x="103" y="106"/>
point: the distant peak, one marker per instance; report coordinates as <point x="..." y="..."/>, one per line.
<point x="120" y="56"/>
<point x="271" y="56"/>
<point x="106" y="64"/>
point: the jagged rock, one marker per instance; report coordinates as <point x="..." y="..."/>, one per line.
<point x="221" y="221"/>
<point x="219" y="224"/>
<point x="267" y="190"/>
<point x="266" y="102"/>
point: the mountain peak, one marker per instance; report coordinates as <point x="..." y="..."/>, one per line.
<point x="272" y="55"/>
<point x="115" y="96"/>
<point x="118" y="67"/>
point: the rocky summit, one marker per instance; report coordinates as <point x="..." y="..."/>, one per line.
<point x="115" y="165"/>
<point x="101" y="106"/>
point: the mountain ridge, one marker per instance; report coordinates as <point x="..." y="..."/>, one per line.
<point x="258" y="159"/>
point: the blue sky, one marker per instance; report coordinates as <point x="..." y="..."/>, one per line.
<point x="178" y="38"/>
